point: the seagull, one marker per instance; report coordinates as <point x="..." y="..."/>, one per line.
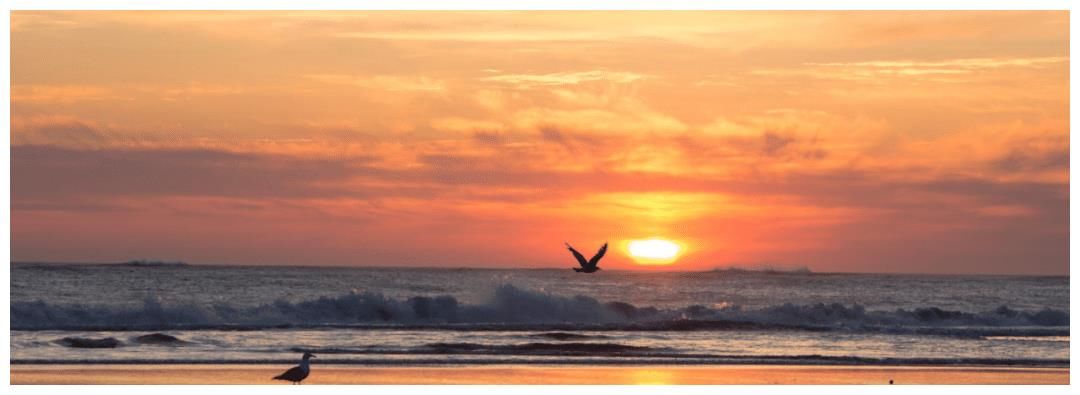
<point x="297" y="373"/>
<point x="588" y="266"/>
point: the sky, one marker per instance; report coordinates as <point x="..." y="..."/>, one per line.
<point x="930" y="142"/>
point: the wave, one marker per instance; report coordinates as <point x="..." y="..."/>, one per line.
<point x="561" y="360"/>
<point x="564" y="349"/>
<point x="513" y="308"/>
<point x="152" y="263"/>
<point x="567" y="336"/>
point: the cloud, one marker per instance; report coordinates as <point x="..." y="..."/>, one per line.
<point x="598" y="120"/>
<point x="952" y="65"/>
<point x="63" y="93"/>
<point x="948" y="70"/>
<point x="486" y="36"/>
<point x="505" y="190"/>
<point x="62" y="131"/>
<point x="383" y="82"/>
<point x="1019" y="160"/>
<point x="530" y="81"/>
<point x="491" y="138"/>
<point x="774" y="143"/>
<point x="551" y="133"/>
<point x="1034" y="150"/>
<point x="47" y="172"/>
<point x="465" y="125"/>
<point x="36" y="20"/>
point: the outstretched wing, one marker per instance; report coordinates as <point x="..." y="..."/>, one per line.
<point x="599" y="254"/>
<point x="580" y="258"/>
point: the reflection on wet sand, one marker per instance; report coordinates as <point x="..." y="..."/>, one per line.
<point x="648" y="375"/>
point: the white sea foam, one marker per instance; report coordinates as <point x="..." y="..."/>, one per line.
<point x="514" y="307"/>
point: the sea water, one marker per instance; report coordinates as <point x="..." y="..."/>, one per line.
<point x="93" y="313"/>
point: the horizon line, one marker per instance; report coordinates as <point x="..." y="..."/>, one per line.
<point x="348" y="266"/>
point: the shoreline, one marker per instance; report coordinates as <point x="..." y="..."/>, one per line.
<point x="837" y="362"/>
<point x="537" y="374"/>
<point x="629" y="269"/>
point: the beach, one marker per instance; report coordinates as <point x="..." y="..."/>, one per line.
<point x="529" y="374"/>
<point x="532" y="326"/>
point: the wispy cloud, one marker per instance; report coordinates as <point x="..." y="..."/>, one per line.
<point x="383" y="82"/>
<point x="64" y="93"/>
<point x="951" y="64"/>
<point x="565" y="78"/>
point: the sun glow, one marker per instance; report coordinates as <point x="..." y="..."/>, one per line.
<point x="653" y="251"/>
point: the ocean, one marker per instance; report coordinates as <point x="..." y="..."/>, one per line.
<point x="141" y="314"/>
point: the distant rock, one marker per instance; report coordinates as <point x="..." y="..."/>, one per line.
<point x="159" y="339"/>
<point x="145" y="263"/>
<point x="86" y="342"/>
<point x="765" y="268"/>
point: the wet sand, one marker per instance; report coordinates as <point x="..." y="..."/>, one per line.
<point x="532" y="374"/>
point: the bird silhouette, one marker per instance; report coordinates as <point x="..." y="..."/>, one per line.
<point x="298" y="373"/>
<point x="588" y="266"/>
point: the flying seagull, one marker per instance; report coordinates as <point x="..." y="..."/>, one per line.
<point x="588" y="266"/>
<point x="297" y="373"/>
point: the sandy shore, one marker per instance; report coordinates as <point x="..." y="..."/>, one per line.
<point x="740" y="374"/>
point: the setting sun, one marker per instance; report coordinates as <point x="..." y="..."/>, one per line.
<point x="653" y="251"/>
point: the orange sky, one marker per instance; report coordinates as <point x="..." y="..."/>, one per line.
<point x="843" y="141"/>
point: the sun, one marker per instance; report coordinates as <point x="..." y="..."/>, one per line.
<point x="653" y="251"/>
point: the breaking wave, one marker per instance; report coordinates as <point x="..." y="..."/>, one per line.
<point x="512" y="308"/>
<point x="812" y="359"/>
<point x="536" y="348"/>
<point x="566" y="336"/>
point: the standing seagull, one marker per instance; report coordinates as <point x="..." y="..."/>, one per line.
<point x="588" y="266"/>
<point x="297" y="373"/>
